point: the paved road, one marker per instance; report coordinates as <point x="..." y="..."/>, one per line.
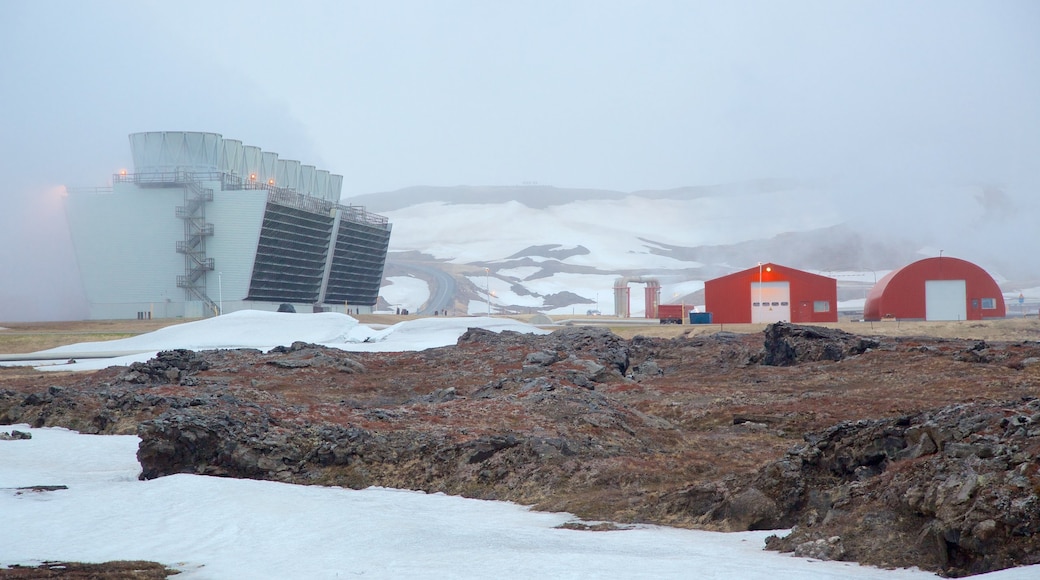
<point x="442" y="287"/>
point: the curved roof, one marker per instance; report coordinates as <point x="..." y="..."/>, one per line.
<point x="910" y="278"/>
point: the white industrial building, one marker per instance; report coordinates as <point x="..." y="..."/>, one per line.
<point x="204" y="225"/>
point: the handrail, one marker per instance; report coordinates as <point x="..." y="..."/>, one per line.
<point x="83" y="190"/>
<point x="280" y="195"/>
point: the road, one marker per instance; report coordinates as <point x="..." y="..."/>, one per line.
<point x="442" y="287"/>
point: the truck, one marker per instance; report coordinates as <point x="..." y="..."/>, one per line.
<point x="672" y="313"/>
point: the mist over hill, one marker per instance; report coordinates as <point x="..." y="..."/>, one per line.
<point x="538" y="196"/>
<point x="541" y="241"/>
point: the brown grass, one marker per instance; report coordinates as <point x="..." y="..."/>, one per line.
<point x="25" y="337"/>
<point x="1010" y="329"/>
<point x="115" y="570"/>
<point x="22" y="337"/>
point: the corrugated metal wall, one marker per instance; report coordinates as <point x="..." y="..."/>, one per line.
<point x="290" y="256"/>
<point x="357" y="264"/>
<point x="730" y="299"/>
<point x="901" y="293"/>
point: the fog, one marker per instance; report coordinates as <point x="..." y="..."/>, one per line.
<point x="909" y="112"/>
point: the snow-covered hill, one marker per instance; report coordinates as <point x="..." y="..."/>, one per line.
<point x="560" y="251"/>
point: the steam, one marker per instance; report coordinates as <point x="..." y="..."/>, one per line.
<point x="919" y="118"/>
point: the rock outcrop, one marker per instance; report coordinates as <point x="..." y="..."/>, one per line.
<point x="789" y="344"/>
<point x="953" y="490"/>
<point x="895" y="452"/>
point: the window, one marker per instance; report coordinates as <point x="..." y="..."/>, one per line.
<point x="821" y="306"/>
<point x="755" y="304"/>
<point x="989" y="303"/>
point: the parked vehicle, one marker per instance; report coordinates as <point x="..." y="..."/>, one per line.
<point x="672" y="313"/>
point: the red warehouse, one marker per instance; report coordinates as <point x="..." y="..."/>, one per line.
<point x="940" y="288"/>
<point x="771" y="293"/>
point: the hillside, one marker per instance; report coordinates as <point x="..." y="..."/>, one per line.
<point x="560" y="250"/>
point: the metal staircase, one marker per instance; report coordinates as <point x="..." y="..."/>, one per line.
<point x="196" y="230"/>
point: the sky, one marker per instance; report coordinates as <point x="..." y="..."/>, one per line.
<point x="886" y="103"/>
<point x="210" y="527"/>
<point x="617" y="95"/>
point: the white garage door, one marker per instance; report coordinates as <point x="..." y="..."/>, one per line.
<point x="770" y="302"/>
<point x="945" y="300"/>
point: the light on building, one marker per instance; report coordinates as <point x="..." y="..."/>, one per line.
<point x="270" y="182"/>
<point x="122" y="172"/>
<point x="252" y="177"/>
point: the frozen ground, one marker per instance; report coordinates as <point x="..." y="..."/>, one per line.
<point x="212" y="527"/>
<point x="265" y="330"/>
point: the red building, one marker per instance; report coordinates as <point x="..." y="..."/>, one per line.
<point x="771" y="293"/>
<point x="940" y="288"/>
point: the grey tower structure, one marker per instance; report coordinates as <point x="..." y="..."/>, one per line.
<point x="204" y="225"/>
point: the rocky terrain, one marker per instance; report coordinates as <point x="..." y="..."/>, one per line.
<point x="891" y="451"/>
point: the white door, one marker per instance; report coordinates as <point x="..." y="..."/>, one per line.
<point x="770" y="302"/>
<point x="945" y="300"/>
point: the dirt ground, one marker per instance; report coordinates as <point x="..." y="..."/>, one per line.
<point x="26" y="337"/>
<point x="1002" y="329"/>
<point x="694" y="412"/>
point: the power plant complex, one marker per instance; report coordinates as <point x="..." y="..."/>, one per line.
<point x="205" y="225"/>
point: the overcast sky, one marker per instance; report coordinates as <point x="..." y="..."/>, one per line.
<point x="604" y="94"/>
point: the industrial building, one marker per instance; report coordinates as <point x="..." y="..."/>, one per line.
<point x="942" y="288"/>
<point x="770" y="293"/>
<point x="623" y="296"/>
<point x="204" y="225"/>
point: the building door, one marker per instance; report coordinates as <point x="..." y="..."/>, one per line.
<point x="945" y="300"/>
<point x="770" y="302"/>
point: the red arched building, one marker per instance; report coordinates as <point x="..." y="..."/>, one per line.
<point x="940" y="288"/>
<point x="771" y="293"/>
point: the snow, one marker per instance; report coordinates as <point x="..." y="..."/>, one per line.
<point x="210" y="527"/>
<point x="597" y="288"/>
<point x="405" y="292"/>
<point x="856" y="304"/>
<point x="639" y="233"/>
<point x="519" y="273"/>
<point x="869" y="277"/>
<point x="619" y="234"/>
<point x="1027" y="293"/>
<point x="502" y="293"/>
<point x="424" y="333"/>
<point x="461" y="235"/>
<point x="265" y="330"/>
<point x="242" y="329"/>
<point x="673" y="293"/>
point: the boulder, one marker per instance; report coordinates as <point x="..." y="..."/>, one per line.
<point x="790" y="344"/>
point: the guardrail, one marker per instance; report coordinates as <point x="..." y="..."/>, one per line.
<point x="279" y="195"/>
